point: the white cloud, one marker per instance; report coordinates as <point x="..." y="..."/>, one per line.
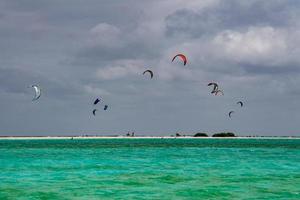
<point x="256" y="45"/>
<point x="120" y="69"/>
<point x="105" y="35"/>
<point x="95" y="90"/>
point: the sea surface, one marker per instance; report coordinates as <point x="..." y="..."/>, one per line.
<point x="150" y="169"/>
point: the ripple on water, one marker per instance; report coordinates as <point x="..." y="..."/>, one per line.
<point x="150" y="169"/>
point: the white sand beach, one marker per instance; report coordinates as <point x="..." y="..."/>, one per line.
<point x="128" y="137"/>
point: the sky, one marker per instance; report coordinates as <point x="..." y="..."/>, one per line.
<point x="78" y="50"/>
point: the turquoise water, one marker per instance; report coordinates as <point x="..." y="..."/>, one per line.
<point x="150" y="169"/>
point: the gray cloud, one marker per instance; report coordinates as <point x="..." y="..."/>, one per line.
<point x="231" y="14"/>
<point x="78" y="50"/>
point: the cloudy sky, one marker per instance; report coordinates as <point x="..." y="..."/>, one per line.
<point x="77" y="50"/>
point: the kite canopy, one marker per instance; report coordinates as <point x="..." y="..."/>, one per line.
<point x="94" y="112"/>
<point x="105" y="107"/>
<point x="241" y="103"/>
<point x="150" y="72"/>
<point x="37" y="91"/>
<point x="183" y="58"/>
<point x="96" y="101"/>
<point x="230" y="113"/>
<point x="215" y="88"/>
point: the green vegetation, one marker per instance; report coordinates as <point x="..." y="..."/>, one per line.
<point x="229" y="134"/>
<point x="200" y="135"/>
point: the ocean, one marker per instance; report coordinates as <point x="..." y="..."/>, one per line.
<point x="150" y="169"/>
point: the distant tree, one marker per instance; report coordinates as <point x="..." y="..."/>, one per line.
<point x="229" y="134"/>
<point x="200" y="135"/>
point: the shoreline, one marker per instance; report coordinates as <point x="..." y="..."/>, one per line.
<point x="135" y="137"/>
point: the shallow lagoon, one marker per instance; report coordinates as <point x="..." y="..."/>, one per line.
<point x="150" y="169"/>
